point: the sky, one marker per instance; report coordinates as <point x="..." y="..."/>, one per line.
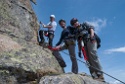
<point x="108" y="18"/>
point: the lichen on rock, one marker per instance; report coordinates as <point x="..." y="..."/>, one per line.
<point x="22" y="60"/>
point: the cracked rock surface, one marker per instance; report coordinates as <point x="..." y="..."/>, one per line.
<point x="22" y="60"/>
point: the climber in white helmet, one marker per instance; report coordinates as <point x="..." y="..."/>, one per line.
<point x="51" y="29"/>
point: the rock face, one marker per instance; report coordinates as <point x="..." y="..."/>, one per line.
<point x="68" y="79"/>
<point x="22" y="60"/>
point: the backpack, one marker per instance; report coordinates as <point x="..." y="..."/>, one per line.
<point x="86" y="26"/>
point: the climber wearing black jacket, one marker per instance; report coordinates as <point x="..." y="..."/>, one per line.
<point x="69" y="43"/>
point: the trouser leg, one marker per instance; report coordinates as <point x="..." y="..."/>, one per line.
<point x="50" y="36"/>
<point x="41" y="36"/>
<point x="93" y="60"/>
<point x="71" y="49"/>
<point x="59" y="58"/>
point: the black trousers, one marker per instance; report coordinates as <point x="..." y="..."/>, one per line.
<point x="71" y="49"/>
<point x="50" y="37"/>
<point x="41" y="32"/>
<point x="59" y="58"/>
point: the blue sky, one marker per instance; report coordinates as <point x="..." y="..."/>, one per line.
<point x="108" y="17"/>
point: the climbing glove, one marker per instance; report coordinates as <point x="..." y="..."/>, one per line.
<point x="79" y="53"/>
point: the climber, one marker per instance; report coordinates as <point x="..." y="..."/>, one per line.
<point x="51" y="29"/>
<point x="69" y="43"/>
<point x="85" y="32"/>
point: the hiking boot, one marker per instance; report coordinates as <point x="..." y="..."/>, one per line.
<point x="62" y="64"/>
<point x="98" y="79"/>
<point x="63" y="70"/>
<point x="101" y="77"/>
<point x="41" y="42"/>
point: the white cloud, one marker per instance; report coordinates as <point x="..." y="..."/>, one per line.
<point x="98" y="23"/>
<point x="116" y="72"/>
<point x="115" y="82"/>
<point x="113" y="50"/>
<point x="114" y="17"/>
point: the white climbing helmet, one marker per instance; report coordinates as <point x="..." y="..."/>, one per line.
<point x="52" y="16"/>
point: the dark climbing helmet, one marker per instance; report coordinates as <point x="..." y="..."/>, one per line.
<point x="73" y="20"/>
<point x="61" y="20"/>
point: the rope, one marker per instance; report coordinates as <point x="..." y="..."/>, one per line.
<point x="94" y="68"/>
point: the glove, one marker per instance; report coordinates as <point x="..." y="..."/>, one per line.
<point x="43" y="25"/>
<point x="53" y="49"/>
<point x="50" y="47"/>
<point x="79" y="53"/>
<point x="40" y="22"/>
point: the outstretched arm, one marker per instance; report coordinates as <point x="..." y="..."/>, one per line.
<point x="47" y="26"/>
<point x="51" y="25"/>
